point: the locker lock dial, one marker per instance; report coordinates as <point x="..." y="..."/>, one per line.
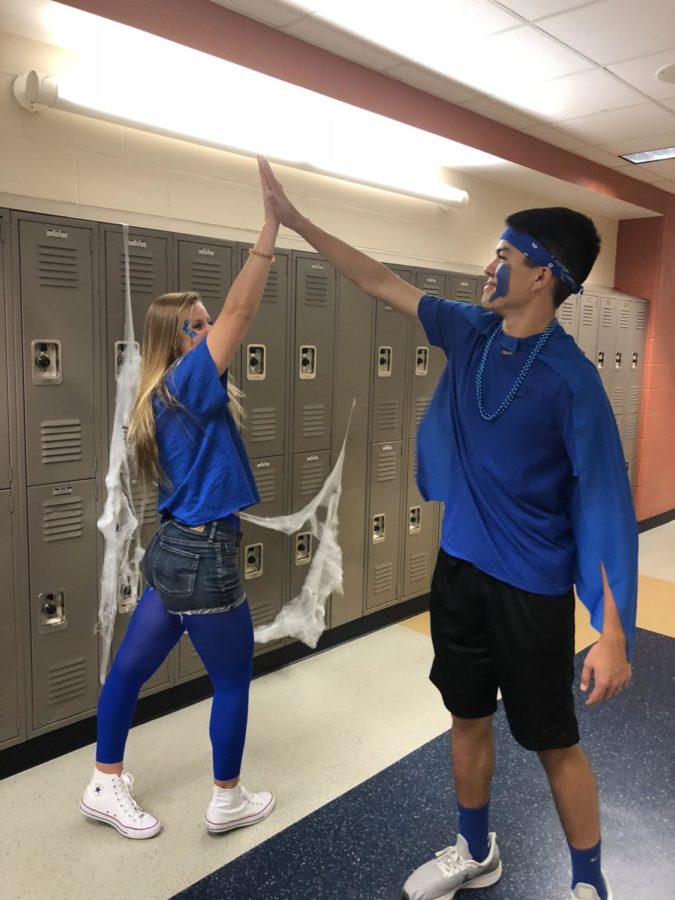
<point x="384" y="361"/>
<point x="46" y="357"/>
<point x="307" y="368"/>
<point x="378" y="533"/>
<point x="253" y="561"/>
<point x="256" y="366"/>
<point x="52" y="611"/>
<point x="422" y="361"/>
<point x="303" y="548"/>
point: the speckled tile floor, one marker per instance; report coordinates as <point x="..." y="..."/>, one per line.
<point x="353" y="742"/>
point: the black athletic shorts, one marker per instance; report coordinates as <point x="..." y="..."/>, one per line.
<point x="489" y="635"/>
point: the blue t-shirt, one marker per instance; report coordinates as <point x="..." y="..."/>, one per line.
<point x="511" y="480"/>
<point x="200" y="450"/>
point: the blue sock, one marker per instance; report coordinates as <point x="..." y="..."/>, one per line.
<point x="473" y="826"/>
<point x="586" y="868"/>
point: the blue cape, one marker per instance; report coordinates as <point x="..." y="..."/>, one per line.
<point x="601" y="514"/>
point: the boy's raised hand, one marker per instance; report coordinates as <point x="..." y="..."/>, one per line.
<point x="281" y="206"/>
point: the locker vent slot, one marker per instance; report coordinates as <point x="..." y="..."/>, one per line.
<point x="641" y="319"/>
<point x="63" y="519"/>
<point x="57" y="266"/>
<point x="414" y="455"/>
<point x="421" y="405"/>
<point x="634" y="398"/>
<point x="624" y="317"/>
<point x="419" y="567"/>
<point x="461" y="293"/>
<point x="587" y="314"/>
<point x="272" y="293"/>
<point x="388" y="414"/>
<point x="66" y="681"/>
<point x="263" y="613"/>
<point x="208" y="279"/>
<point x="144" y="499"/>
<point x="263" y="423"/>
<point x="567" y="315"/>
<point x="383" y="577"/>
<point x="316" y="290"/>
<point x="313" y="420"/>
<point x="266" y="485"/>
<point x="607" y="318"/>
<point x="386" y="468"/>
<point x="142" y="274"/>
<point x="312" y="479"/>
<point x="617" y="399"/>
<point x="631" y="428"/>
<point x="61" y="441"/>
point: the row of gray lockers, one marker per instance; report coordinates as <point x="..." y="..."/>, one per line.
<point x="316" y="343"/>
<point x="611" y="329"/>
<point x="314" y="346"/>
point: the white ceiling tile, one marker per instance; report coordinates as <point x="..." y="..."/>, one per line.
<point x="644" y="142"/>
<point x="610" y="160"/>
<point x="314" y="31"/>
<point x="642" y="173"/>
<point x="271" y="12"/>
<point x="555" y="137"/>
<point x="641" y="73"/>
<point x="432" y="83"/>
<point x="665" y="168"/>
<point x="620" y="124"/>
<point x="535" y="9"/>
<point x="500" y="112"/>
<point x="615" y="30"/>
<point x="577" y="95"/>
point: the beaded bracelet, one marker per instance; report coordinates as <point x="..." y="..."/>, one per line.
<point x="253" y="252"/>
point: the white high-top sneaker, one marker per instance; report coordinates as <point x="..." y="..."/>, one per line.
<point x="237" y="808"/>
<point x="107" y="798"/>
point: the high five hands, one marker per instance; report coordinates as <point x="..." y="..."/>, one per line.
<point x="274" y="197"/>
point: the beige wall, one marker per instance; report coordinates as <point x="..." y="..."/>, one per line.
<point x="72" y="165"/>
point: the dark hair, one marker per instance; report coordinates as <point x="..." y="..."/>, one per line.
<point x="568" y="235"/>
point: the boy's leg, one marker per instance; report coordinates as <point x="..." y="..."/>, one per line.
<point x="575" y="792"/>
<point x="473" y="759"/>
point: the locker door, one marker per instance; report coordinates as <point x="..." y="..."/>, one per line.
<point x="310" y="470"/>
<point x="606" y="352"/>
<point x="389" y="370"/>
<point x="263" y="553"/>
<point x="148" y="277"/>
<point x="313" y="354"/>
<point x="63" y="587"/>
<point x="629" y="441"/>
<point x="426" y="363"/>
<point x="9" y="674"/>
<point x="622" y="352"/>
<point x="265" y="365"/>
<point x="4" y="372"/>
<point x="353" y="342"/>
<point x="384" y="528"/>
<point x="568" y="315"/>
<point x="634" y="364"/>
<point x="587" y="326"/>
<point x="464" y="288"/>
<point x="56" y="289"/>
<point x="420" y="534"/>
<point x="206" y="267"/>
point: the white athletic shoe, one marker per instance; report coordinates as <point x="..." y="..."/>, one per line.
<point x="229" y="809"/>
<point x="107" y="798"/>
<point x="584" y="891"/>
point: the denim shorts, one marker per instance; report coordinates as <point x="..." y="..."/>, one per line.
<point x="195" y="572"/>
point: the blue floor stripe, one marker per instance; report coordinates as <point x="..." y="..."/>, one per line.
<point x="363" y="845"/>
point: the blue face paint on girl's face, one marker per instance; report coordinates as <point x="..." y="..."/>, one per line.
<point x="502" y="277"/>
<point x="187" y="330"/>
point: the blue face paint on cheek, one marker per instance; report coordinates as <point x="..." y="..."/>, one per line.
<point x="503" y="278"/>
<point x="187" y="330"/>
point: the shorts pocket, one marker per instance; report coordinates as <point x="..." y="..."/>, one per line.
<point x="174" y="570"/>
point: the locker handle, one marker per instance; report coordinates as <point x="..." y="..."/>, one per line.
<point x="635" y="361"/>
<point x="617" y="360"/>
<point x="601" y="358"/>
<point x="52" y="611"/>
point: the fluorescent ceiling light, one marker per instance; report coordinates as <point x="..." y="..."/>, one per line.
<point x="646" y="156"/>
<point x="134" y="78"/>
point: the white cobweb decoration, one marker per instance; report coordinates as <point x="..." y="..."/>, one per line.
<point x="121" y="573"/>
<point x="303" y="617"/>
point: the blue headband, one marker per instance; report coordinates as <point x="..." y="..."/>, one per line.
<point x="541" y="256"/>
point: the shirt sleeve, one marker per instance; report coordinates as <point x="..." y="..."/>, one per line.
<point x="195" y="383"/>
<point x="448" y="323"/>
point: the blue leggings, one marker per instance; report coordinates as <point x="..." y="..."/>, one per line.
<point x="224" y="641"/>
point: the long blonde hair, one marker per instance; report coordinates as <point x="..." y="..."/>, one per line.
<point x="163" y="327"/>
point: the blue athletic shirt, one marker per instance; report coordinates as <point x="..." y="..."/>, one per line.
<point x="200" y="450"/>
<point x="539" y="497"/>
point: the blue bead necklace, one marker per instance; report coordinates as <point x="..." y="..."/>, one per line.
<point x="515" y="387"/>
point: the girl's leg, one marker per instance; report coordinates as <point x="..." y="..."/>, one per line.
<point x="151" y="634"/>
<point x="224" y="641"/>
